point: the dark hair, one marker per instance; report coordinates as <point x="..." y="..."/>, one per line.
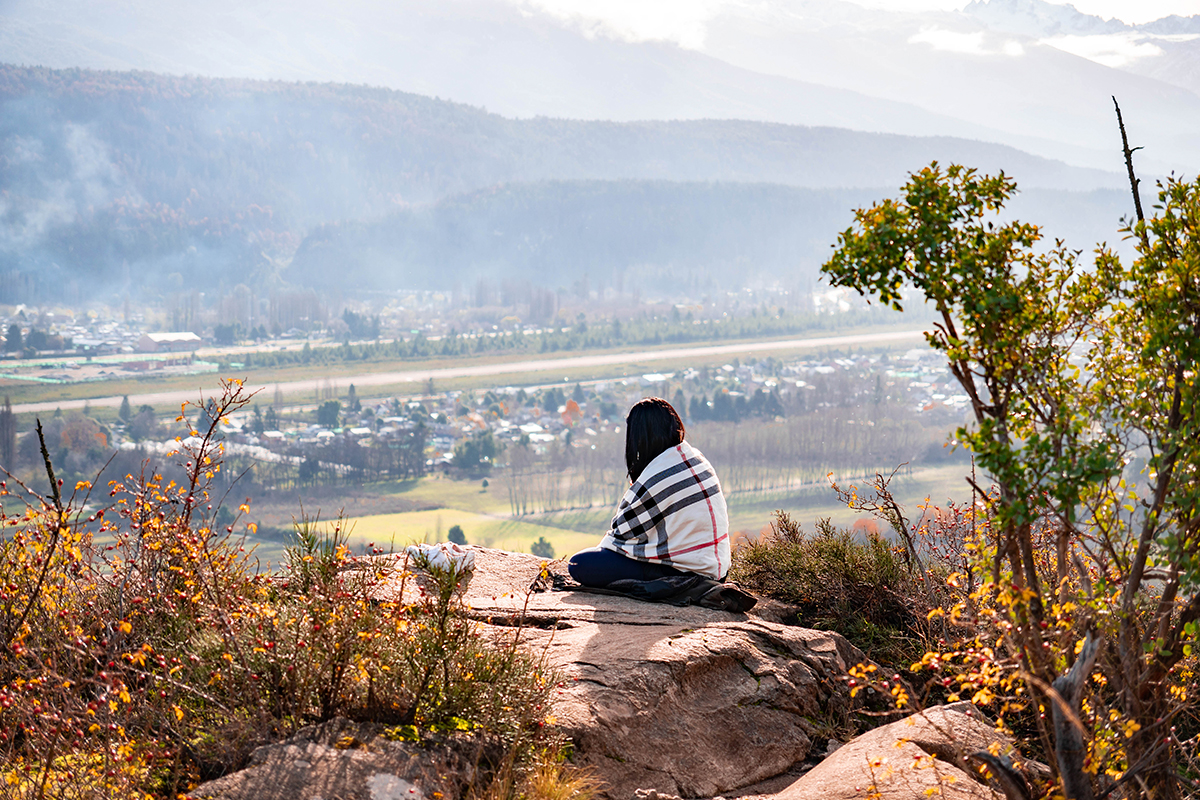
<point x="651" y="428"/>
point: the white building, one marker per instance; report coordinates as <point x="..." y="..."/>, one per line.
<point x="168" y="342"/>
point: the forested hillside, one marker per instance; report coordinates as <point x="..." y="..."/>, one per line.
<point x="135" y="181"/>
<point x="654" y="235"/>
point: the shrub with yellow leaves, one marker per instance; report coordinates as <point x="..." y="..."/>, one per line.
<point x="1076" y="596"/>
<point x="142" y="650"/>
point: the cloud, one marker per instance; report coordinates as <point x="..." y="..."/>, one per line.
<point x="973" y="44"/>
<point x="684" y="22"/>
<point x="1109" y="49"/>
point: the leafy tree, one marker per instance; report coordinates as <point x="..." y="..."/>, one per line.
<point x="577" y="394"/>
<point x="144" y="424"/>
<point x="310" y="469"/>
<point x="125" y="412"/>
<point x="542" y="548"/>
<point x="37" y="340"/>
<point x="553" y="398"/>
<point x="353" y="404"/>
<point x="227" y="334"/>
<point x="722" y="407"/>
<point x="8" y="437"/>
<point x="679" y="401"/>
<point x="1084" y="574"/>
<point x="476" y="453"/>
<point x="270" y="419"/>
<point x="361" y="326"/>
<point x="12" y="340"/>
<point x="456" y="535"/>
<point x="328" y="413"/>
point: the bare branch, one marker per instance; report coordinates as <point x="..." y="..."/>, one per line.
<point x="1133" y="180"/>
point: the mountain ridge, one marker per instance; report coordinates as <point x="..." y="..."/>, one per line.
<point x="136" y="181"/>
<point x="515" y="58"/>
<point x="661" y="237"/>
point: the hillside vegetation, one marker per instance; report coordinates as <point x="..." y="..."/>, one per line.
<point x="654" y="235"/>
<point x="135" y="181"/>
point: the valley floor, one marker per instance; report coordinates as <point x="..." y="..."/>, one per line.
<point x="375" y="517"/>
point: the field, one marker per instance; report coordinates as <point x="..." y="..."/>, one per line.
<point x="485" y="518"/>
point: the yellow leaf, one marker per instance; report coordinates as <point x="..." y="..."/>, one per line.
<point x="124" y="627"/>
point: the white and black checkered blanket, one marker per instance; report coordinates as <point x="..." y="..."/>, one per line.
<point x="674" y="514"/>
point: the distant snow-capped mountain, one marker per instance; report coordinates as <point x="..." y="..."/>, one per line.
<point x="1039" y="19"/>
<point x="1166" y="49"/>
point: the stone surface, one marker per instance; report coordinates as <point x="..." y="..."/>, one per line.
<point x="904" y="760"/>
<point x="342" y="760"/>
<point x="684" y="701"/>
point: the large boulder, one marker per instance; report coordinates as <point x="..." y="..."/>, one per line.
<point x="344" y="760"/>
<point x="929" y="754"/>
<point x="685" y="701"/>
<point x="675" y="700"/>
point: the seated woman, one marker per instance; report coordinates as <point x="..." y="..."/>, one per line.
<point x="672" y="519"/>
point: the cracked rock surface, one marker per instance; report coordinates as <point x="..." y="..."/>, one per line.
<point x="685" y="701"/>
<point x="678" y="702"/>
<point x="923" y="755"/>
<point x="661" y="702"/>
<point x="344" y="760"/>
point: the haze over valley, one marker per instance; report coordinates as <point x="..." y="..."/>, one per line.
<point x="309" y="195"/>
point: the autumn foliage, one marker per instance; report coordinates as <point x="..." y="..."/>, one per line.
<point x="1077" y="600"/>
<point x="144" y="650"/>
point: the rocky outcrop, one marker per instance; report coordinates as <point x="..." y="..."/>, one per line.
<point x="926" y="754"/>
<point x="343" y="760"/>
<point x="659" y="700"/>
<point x="685" y="701"/>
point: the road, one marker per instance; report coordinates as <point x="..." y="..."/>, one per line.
<point x="175" y="398"/>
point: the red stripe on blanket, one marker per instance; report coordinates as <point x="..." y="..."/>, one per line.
<point x="711" y="514"/>
<point x="700" y="547"/>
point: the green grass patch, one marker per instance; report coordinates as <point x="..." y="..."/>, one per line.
<point x="752" y="513"/>
<point x="398" y="530"/>
<point x="467" y="495"/>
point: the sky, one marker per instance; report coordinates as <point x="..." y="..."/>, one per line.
<point x="683" y="20"/>
<point x="1130" y="11"/>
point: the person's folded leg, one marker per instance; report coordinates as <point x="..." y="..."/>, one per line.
<point x="597" y="567"/>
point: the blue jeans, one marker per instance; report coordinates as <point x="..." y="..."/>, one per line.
<point x="597" y="567"/>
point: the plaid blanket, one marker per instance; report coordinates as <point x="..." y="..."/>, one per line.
<point x="674" y="514"/>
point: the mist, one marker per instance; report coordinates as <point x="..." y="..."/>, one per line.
<point x="388" y="147"/>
